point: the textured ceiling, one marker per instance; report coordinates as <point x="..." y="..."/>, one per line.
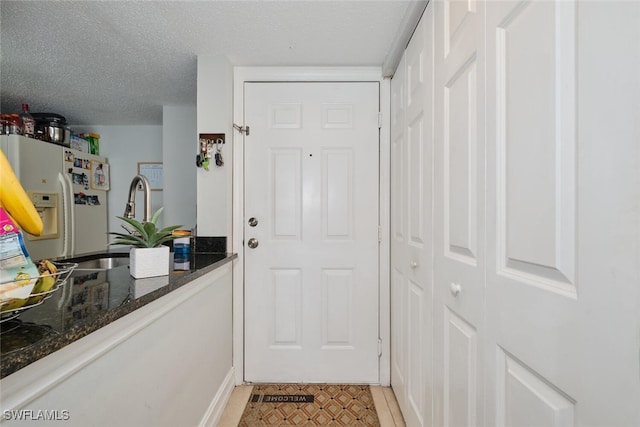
<point x="119" y="62"/>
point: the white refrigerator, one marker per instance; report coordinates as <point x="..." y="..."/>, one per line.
<point x="69" y="190"/>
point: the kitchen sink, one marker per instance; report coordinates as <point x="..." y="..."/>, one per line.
<point x="105" y="261"/>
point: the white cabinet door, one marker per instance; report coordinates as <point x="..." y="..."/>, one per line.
<point x="412" y="261"/>
<point x="563" y="230"/>
<point x="311" y="183"/>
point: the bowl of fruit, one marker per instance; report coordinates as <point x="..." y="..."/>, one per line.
<point x="51" y="276"/>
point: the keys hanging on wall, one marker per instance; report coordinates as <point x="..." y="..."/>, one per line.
<point x="218" y="155"/>
<point x="210" y="148"/>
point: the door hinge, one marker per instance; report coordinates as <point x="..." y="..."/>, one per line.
<point x="242" y="129"/>
<point x="379" y="347"/>
<point x="379" y="120"/>
<point x="379" y="233"/>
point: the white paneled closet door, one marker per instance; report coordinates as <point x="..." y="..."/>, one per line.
<point x="533" y="312"/>
<point x="459" y="223"/>
<point x="563" y="276"/>
<point x="399" y="249"/>
<point x="412" y="260"/>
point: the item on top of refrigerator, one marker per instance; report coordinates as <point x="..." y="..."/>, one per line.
<point x="28" y="122"/>
<point x="16" y="201"/>
<point x="49" y="118"/>
<point x="11" y="124"/>
<point x="51" y="127"/>
<point x="79" y="143"/>
<point x="4" y="125"/>
<point x="94" y="142"/>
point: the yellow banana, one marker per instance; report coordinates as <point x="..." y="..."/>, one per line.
<point x="21" y="279"/>
<point x="53" y="269"/>
<point x="16" y="201"/>
<point x="46" y="280"/>
<point x="13" y="304"/>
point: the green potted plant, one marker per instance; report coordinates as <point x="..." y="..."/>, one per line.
<point x="148" y="256"/>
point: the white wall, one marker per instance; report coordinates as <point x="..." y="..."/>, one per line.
<point x="215" y="108"/>
<point x="179" y="147"/>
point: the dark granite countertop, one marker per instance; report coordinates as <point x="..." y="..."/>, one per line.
<point x="88" y="301"/>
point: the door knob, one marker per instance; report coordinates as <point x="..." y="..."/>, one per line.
<point x="253" y="222"/>
<point x="414" y="264"/>
<point x="455" y="288"/>
<point x="252" y="243"/>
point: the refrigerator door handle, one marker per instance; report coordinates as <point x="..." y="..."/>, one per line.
<point x="72" y="218"/>
<point x="68" y="215"/>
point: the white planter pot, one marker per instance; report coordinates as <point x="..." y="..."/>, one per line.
<point x="149" y="262"/>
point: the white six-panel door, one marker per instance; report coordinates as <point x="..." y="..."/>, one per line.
<point x="311" y="185"/>
<point x="459" y="202"/>
<point x="411" y="230"/>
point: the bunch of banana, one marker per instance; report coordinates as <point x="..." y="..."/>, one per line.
<point x="45" y="282"/>
<point x="47" y="278"/>
<point x="16" y="201"/>
<point x="21" y="279"/>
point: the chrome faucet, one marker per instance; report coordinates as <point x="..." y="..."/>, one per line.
<point x="130" y="209"/>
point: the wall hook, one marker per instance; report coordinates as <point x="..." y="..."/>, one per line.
<point x="210" y="142"/>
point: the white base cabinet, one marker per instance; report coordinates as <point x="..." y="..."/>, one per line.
<point x="168" y="363"/>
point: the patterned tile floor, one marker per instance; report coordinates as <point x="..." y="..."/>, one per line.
<point x="279" y="405"/>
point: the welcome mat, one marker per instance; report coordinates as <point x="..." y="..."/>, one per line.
<point x="278" y="405"/>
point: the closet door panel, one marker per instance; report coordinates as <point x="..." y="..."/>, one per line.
<point x="412" y="227"/>
<point x="459" y="222"/>
<point x="560" y="330"/>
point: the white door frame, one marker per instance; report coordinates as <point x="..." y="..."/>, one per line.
<point x="241" y="75"/>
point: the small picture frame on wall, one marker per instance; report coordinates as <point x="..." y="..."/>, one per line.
<point x="153" y="172"/>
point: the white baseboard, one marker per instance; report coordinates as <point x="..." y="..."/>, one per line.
<point x="220" y="400"/>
